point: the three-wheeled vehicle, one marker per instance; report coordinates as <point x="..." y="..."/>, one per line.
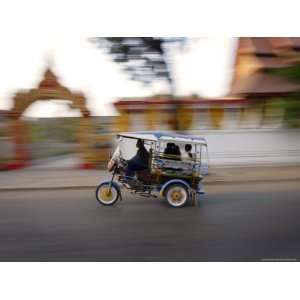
<point x="177" y="177"/>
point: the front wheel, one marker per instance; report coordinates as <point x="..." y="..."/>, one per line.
<point x="106" y="195"/>
<point x="177" y="195"/>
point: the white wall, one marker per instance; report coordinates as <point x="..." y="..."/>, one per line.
<point x="252" y="146"/>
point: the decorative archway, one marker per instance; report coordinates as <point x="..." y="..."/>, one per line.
<point x="48" y="89"/>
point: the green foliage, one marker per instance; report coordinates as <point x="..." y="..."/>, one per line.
<point x="292" y="113"/>
<point x="291" y="107"/>
<point x="291" y="72"/>
<point x="291" y="104"/>
<point x="62" y="130"/>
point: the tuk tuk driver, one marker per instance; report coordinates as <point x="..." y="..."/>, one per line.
<point x="140" y="161"/>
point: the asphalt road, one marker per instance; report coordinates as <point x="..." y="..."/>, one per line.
<point x="244" y="222"/>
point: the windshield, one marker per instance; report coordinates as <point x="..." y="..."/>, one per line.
<point x="128" y="147"/>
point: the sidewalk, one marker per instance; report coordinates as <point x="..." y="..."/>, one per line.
<point x="47" y="179"/>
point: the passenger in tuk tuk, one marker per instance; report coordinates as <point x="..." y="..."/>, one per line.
<point x="140" y="161"/>
<point x="188" y="151"/>
<point x="173" y="151"/>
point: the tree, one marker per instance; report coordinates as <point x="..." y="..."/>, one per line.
<point x="291" y="105"/>
<point x="145" y="59"/>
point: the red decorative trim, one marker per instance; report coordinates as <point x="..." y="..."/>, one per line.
<point x="87" y="166"/>
<point x="15" y="165"/>
<point x="133" y="103"/>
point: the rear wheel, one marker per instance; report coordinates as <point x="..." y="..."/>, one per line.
<point x="177" y="195"/>
<point x="107" y="195"/>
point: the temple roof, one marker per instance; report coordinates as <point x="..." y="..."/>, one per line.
<point x="262" y="83"/>
<point x="266" y="45"/>
<point x="257" y="54"/>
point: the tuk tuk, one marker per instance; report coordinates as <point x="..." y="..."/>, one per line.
<point x="175" y="176"/>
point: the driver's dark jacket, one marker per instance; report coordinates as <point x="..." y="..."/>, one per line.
<point x="142" y="156"/>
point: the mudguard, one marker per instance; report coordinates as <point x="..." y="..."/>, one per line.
<point x="165" y="185"/>
<point x="116" y="185"/>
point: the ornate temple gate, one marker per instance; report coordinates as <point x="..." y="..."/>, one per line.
<point x="49" y="89"/>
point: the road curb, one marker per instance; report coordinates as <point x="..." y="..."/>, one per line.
<point x="48" y="188"/>
<point x="84" y="187"/>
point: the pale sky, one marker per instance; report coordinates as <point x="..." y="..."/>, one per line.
<point x="203" y="67"/>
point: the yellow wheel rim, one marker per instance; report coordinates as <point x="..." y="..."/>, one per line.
<point x="106" y="194"/>
<point x="176" y="196"/>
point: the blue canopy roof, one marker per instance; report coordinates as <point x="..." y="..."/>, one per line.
<point x="156" y="135"/>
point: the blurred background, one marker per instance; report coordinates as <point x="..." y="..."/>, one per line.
<point x="63" y="100"/>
